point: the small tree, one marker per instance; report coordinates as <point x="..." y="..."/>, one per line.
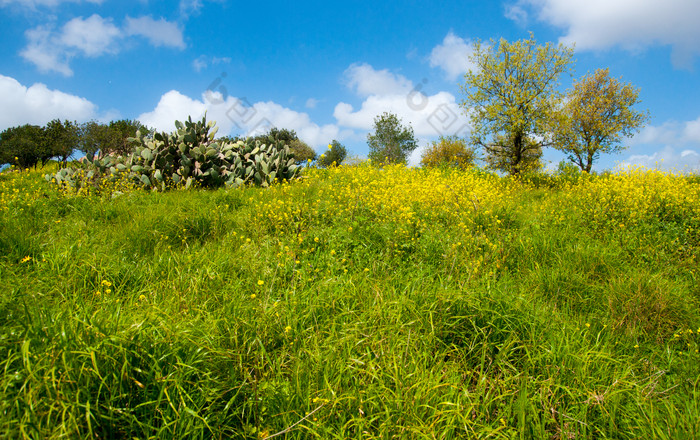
<point x="301" y="151"/>
<point x="597" y="114"/>
<point x="391" y="142"/>
<point x="334" y="156"/>
<point x="511" y="98"/>
<point x="448" y="151"/>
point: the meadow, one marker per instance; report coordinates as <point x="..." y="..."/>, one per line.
<point x="356" y="302"/>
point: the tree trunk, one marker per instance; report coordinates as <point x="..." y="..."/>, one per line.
<point x="518" y="152"/>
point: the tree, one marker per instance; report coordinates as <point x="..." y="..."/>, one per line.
<point x="95" y="137"/>
<point x="335" y="155"/>
<point x="595" y="117"/>
<point x="511" y="97"/>
<point x="60" y="140"/>
<point x="391" y="142"/>
<point x="22" y="146"/>
<point x="121" y="131"/>
<point x="301" y="151"/>
<point x="500" y="156"/>
<point x="448" y="151"/>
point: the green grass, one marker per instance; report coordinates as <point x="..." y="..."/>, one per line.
<point x="188" y="315"/>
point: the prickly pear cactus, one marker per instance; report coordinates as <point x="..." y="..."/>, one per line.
<point x="187" y="156"/>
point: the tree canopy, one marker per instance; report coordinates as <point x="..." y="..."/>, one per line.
<point x="596" y="116"/>
<point x="390" y="142"/>
<point x="448" y="151"/>
<point x="511" y="97"/>
<point x="334" y="156"/>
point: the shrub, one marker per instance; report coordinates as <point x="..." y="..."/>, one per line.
<point x="448" y="151"/>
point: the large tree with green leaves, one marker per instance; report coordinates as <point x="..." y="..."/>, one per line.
<point x="61" y="138"/>
<point x="390" y="142"/>
<point x="595" y="117"/>
<point x="23" y="146"/>
<point x="511" y="96"/>
<point x="121" y="131"/>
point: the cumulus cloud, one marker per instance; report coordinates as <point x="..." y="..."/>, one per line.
<point x="237" y="116"/>
<point x="366" y="81"/>
<point x="630" y="24"/>
<point x="452" y="56"/>
<point x="672" y="145"/>
<point x="430" y="116"/>
<point x="37" y="104"/>
<point x="52" y="50"/>
<point x="157" y="32"/>
<point x="670" y="133"/>
<point x="92" y="36"/>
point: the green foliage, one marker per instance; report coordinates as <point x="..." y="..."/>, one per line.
<point x="23" y="146"/>
<point x="301" y="152"/>
<point x="299" y="149"/>
<point x="242" y="313"/>
<point x="512" y="96"/>
<point x="188" y="155"/>
<point x="390" y="142"/>
<point x="334" y="156"/>
<point x="448" y="151"/>
<point x="595" y="117"/>
<point x="61" y="139"/>
<point x="525" y="159"/>
<point x="122" y="130"/>
<point x="95" y="137"/>
<point x="109" y="139"/>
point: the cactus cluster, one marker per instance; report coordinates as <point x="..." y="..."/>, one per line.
<point x="190" y="155"/>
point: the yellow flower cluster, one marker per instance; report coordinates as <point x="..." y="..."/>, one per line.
<point x="637" y="195"/>
<point x="410" y="198"/>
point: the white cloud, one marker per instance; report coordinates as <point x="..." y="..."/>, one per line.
<point x="173" y="106"/>
<point x="672" y="145"/>
<point x="384" y="91"/>
<point x="430" y="116"/>
<point x="94" y="36"/>
<point x="666" y="159"/>
<point x="452" y="56"/>
<point x="44" y="52"/>
<point x="691" y="131"/>
<point x="669" y="133"/>
<point x="366" y="81"/>
<point x="237" y="116"/>
<point x="630" y="24"/>
<point x="38" y="104"/>
<point x="158" y="32"/>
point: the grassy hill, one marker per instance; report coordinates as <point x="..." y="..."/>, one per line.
<point x="355" y="303"/>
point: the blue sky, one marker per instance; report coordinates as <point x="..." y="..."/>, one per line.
<point x="327" y="69"/>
